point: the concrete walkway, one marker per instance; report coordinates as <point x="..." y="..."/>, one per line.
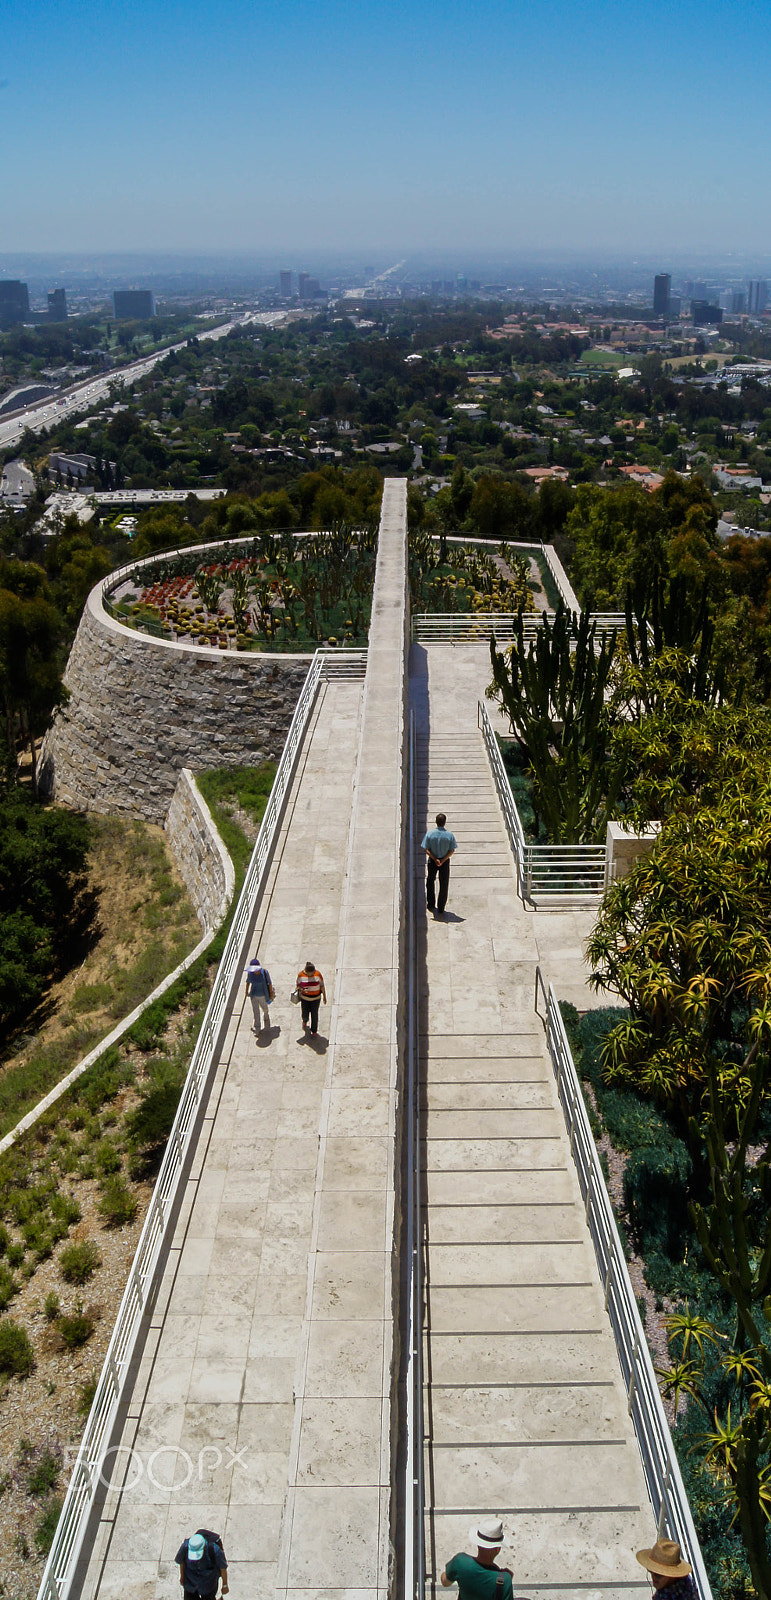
<point x="212" y="1420"/>
<point x="525" y="1412"/>
<point x="261" y="1402"/>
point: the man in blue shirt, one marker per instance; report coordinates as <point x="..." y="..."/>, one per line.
<point x="439" y="845"/>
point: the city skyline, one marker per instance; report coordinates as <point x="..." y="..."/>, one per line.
<point x="560" y="128"/>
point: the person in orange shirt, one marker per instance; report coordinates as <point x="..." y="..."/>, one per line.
<point x="310" y="987"/>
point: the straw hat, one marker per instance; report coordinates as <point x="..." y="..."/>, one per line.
<point x="487" y="1534"/>
<point x="664" y="1558"/>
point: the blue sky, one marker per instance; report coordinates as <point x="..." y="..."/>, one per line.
<point x="628" y="125"/>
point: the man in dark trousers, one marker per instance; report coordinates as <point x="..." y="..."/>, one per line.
<point x="201" y="1561"/>
<point x="477" y="1576"/>
<point x="439" y="845"/>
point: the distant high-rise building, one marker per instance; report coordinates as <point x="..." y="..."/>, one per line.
<point x="738" y="302"/>
<point x="705" y="315"/>
<point x="308" y="287"/>
<point x="662" y="284"/>
<point x="14" y="302"/>
<point x="133" y="305"/>
<point x="285" y="285"/>
<point x="757" y="299"/>
<point x="57" y="306"/>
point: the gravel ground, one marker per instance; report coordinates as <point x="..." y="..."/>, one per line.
<point x="43" y="1409"/>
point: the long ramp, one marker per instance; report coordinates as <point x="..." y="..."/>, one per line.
<point x="525" y="1413"/>
<point x="260" y="1404"/>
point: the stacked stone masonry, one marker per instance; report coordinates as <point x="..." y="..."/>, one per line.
<point x="198" y="850"/>
<point x="140" y="709"/>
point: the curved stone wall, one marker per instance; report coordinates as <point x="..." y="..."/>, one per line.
<point x="141" y="709"/>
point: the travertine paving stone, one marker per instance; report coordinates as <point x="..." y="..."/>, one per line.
<point x="525" y="1411"/>
<point x="214" y="1417"/>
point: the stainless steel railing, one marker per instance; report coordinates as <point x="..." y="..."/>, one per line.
<point x="543" y="870"/>
<point x="660" y="1465"/>
<point x="84" y="1483"/>
<point x="414" y="1544"/>
<point x="476" y="627"/>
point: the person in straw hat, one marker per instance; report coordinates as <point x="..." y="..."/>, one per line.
<point x="477" y="1576"/>
<point x="668" y="1570"/>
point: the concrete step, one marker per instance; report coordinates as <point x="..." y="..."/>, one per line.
<point x="487" y="1226"/>
<point x="469" y="1266"/>
<point x="522" y="1308"/>
<point x="551" y="1413"/>
<point x="505" y="1186"/>
<point x="496" y="1155"/>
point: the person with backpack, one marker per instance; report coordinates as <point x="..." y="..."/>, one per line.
<point x="201" y="1561"/>
<point x="477" y="1576"/>
<point x="260" y="991"/>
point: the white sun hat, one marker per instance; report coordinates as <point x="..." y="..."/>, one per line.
<point x="487" y="1534"/>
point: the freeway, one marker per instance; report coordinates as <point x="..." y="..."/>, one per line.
<point x="83" y="396"/>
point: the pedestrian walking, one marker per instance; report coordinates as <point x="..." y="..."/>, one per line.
<point x="439" y="845"/>
<point x="260" y="991"/>
<point x="310" y="987"/>
<point x="477" y="1576"/>
<point x="202" y="1562"/>
<point x="667" y="1570"/>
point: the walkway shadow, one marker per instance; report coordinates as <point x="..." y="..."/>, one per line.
<point x="316" y="1042"/>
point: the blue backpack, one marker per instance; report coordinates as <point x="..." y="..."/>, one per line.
<point x="209" y="1562"/>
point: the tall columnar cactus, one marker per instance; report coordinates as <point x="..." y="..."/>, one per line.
<point x="553" y="689"/>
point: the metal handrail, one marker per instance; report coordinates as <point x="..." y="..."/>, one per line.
<point x="545" y="869"/>
<point x="511" y="816"/>
<point x="473" y="627"/>
<point x="86" y="1476"/>
<point x="414" y="1542"/>
<point x="659" y="1459"/>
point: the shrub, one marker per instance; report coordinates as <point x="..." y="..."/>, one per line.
<point x="79" y="1261"/>
<point x="8" y="1286"/>
<point x="51" y="1306"/>
<point x="45" y="1527"/>
<point x="44" y="1468"/>
<point x="106" y="1157"/>
<point x="5" y="1239"/>
<point x="656" y="1197"/>
<point x="16" y="1354"/>
<point x="150" y="1123"/>
<point x="15" y="1255"/>
<point x="77" y="1329"/>
<point x="86" y="1394"/>
<point x="90" y="996"/>
<point x="117" y="1205"/>
<point x="65" y="1209"/>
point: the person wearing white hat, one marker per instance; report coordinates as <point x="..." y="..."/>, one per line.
<point x="667" y="1570"/>
<point x="477" y="1576"/>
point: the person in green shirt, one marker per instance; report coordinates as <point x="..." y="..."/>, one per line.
<point x="477" y="1576"/>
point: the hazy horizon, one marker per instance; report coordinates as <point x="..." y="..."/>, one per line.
<point x="603" y="128"/>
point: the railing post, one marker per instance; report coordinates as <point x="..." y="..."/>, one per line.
<point x="633" y="1374"/>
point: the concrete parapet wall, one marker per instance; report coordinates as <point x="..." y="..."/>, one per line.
<point x="141" y="709"/>
<point x="623" y="847"/>
<point x="203" y="861"/>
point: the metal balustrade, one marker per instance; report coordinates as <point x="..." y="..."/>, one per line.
<point x="414" y="1490"/>
<point x="659" y="1460"/>
<point x="543" y="870"/>
<point x="86" y="1476"/>
<point x="476" y="627"/>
